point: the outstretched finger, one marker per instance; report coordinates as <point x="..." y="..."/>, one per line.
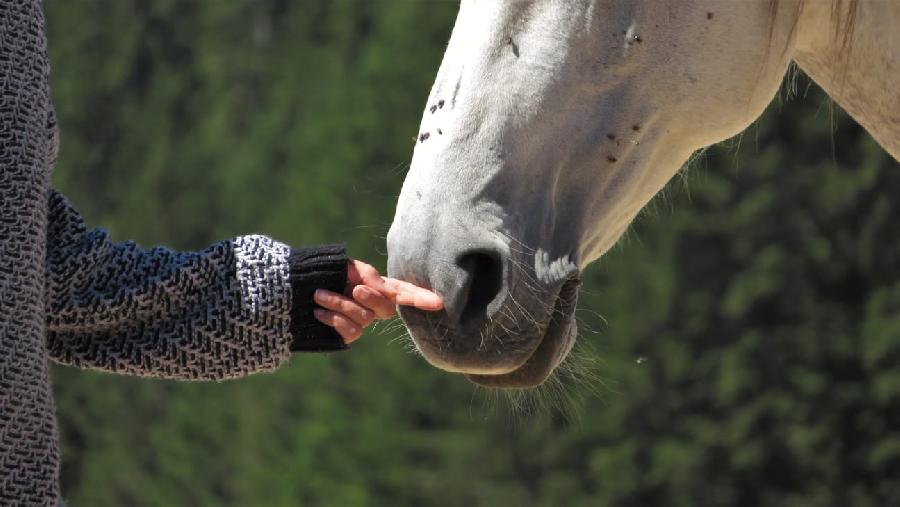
<point x="415" y="296"/>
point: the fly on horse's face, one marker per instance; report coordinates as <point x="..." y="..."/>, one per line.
<point x="550" y="125"/>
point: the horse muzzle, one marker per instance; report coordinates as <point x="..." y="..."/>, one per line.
<point x="499" y="326"/>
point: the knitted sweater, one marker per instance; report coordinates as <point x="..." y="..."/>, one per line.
<point x="72" y="295"/>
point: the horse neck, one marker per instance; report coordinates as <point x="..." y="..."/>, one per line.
<point x="859" y="69"/>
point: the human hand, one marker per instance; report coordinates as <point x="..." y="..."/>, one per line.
<point x="369" y="296"/>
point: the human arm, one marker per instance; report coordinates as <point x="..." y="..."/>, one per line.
<point x="238" y="307"/>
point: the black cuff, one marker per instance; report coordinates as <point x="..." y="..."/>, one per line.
<point x="321" y="267"/>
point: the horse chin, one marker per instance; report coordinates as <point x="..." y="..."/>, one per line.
<point x="555" y="345"/>
<point x="527" y="363"/>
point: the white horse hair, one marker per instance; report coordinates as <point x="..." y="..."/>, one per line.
<point x="553" y="122"/>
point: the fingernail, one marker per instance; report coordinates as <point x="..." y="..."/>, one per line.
<point x="318" y="313"/>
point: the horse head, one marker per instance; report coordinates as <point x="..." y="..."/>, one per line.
<point x="550" y="125"/>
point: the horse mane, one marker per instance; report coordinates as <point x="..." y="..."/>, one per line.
<point x="843" y="12"/>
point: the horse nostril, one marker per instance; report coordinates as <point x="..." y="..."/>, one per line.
<point x="482" y="285"/>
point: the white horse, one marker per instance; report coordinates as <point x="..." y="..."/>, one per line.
<point x="553" y="122"/>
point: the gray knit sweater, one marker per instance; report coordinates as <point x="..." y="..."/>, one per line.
<point x="70" y="294"/>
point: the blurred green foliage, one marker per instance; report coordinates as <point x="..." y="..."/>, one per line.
<point x="750" y="334"/>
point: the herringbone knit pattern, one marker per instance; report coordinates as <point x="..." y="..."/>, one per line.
<point x="212" y="315"/>
<point x="29" y="455"/>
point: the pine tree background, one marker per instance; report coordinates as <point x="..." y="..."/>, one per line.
<point x="740" y="346"/>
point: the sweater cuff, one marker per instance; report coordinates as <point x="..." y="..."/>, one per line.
<point x="310" y="269"/>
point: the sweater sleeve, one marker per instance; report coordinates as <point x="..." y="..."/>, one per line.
<point x="238" y="307"/>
